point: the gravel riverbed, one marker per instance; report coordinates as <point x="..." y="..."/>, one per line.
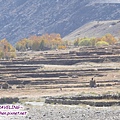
<point x="67" y="112"/>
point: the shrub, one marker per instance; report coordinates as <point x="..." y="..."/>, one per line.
<point x="62" y="47"/>
<point x="102" y="43"/>
<point x="85" y="42"/>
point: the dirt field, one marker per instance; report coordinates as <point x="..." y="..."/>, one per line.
<point x="52" y="79"/>
<point x="35" y="77"/>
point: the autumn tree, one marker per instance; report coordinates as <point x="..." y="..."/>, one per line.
<point x="7" y="50"/>
<point x="42" y="45"/>
<point x="24" y="44"/>
<point x="44" y="42"/>
<point x="107" y="39"/>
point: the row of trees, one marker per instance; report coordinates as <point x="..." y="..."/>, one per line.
<point x="54" y="41"/>
<point x="50" y="41"/>
<point x="6" y="50"/>
<point x="44" y="42"/>
<point x="108" y="39"/>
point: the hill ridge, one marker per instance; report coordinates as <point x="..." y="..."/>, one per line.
<point x="96" y="29"/>
<point x="23" y="18"/>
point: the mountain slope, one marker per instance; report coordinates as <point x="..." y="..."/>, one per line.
<point x="22" y="18"/>
<point x="96" y="29"/>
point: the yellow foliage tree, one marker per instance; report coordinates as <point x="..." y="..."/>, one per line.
<point x="110" y="39"/>
<point x="7" y="50"/>
<point x="44" y="42"/>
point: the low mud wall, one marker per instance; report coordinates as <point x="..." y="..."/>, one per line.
<point x="88" y="100"/>
<point x="65" y="61"/>
<point x="36" y="75"/>
<point x="9" y="100"/>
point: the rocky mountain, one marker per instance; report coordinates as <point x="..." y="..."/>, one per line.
<point x="96" y="29"/>
<point x="23" y="18"/>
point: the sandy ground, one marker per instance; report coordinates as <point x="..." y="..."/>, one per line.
<point x="62" y="112"/>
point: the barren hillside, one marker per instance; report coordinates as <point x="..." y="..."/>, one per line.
<point x="96" y="29"/>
